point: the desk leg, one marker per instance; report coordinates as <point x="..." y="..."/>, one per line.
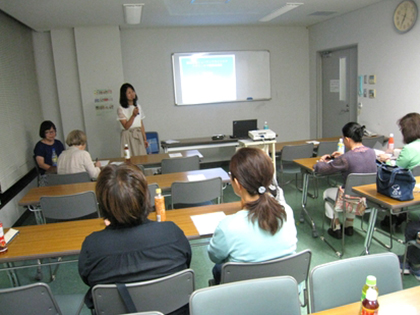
<point x="370" y="230"/>
<point x="304" y="212"/>
<point x="14" y="281"/>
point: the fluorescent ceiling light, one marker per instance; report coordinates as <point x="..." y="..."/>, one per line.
<point x="132" y="13"/>
<point x="282" y="10"/>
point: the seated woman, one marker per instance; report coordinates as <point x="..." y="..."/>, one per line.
<point x="44" y="149"/>
<point x="357" y="159"/>
<point x="131" y="248"/>
<point x="264" y="229"/>
<point x="75" y="159"/>
<point x="409" y="156"/>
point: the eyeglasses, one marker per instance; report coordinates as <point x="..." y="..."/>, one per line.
<point x="49" y="132"/>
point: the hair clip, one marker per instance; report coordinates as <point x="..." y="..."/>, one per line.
<point x="261" y="190"/>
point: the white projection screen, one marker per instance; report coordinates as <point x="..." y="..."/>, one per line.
<point x="219" y="77"/>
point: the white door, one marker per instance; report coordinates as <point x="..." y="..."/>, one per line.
<point x="339" y="90"/>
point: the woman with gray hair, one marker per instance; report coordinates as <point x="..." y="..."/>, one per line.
<point x="75" y="159"/>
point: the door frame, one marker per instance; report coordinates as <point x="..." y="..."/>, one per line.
<point x="319" y="86"/>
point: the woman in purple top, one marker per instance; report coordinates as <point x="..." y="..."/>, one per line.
<point x="357" y="159"/>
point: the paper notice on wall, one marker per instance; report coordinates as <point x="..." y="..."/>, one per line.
<point x="334" y="86"/>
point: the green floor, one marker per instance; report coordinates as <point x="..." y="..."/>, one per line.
<point x="68" y="281"/>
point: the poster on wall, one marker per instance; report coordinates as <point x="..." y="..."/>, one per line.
<point x="103" y="101"/>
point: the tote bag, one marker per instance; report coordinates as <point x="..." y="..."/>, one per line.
<point x="349" y="204"/>
<point x="395" y="182"/>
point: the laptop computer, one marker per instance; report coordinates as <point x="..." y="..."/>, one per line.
<point x="241" y="128"/>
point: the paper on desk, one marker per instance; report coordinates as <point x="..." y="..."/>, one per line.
<point x="193" y="178"/>
<point x="117" y="163"/>
<point x="171" y="141"/>
<point x="10" y="235"/>
<point x="103" y="162"/>
<point x="378" y="152"/>
<point x="313" y="141"/>
<point x="207" y="223"/>
<point x="175" y="155"/>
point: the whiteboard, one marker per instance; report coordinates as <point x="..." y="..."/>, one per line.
<point x="219" y="77"/>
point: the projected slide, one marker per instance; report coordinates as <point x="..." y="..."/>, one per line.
<point x="208" y="79"/>
<point x="221" y="77"/>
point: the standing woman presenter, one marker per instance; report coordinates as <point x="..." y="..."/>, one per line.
<point x="131" y="115"/>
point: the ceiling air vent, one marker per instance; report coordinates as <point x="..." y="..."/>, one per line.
<point x="323" y="13"/>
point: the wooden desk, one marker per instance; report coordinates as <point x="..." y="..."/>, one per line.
<point x="377" y="200"/>
<point x="307" y="165"/>
<point x="66" y="238"/>
<point x="280" y="145"/>
<point x="164" y="181"/>
<point x="155" y="159"/>
<point x="198" y="143"/>
<point x="401" y="302"/>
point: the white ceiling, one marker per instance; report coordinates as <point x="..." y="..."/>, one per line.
<point x="44" y="15"/>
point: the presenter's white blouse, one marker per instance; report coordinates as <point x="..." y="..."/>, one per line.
<point x="126" y="113"/>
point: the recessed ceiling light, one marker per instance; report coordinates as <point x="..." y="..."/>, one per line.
<point x="132" y="13"/>
<point x="286" y="8"/>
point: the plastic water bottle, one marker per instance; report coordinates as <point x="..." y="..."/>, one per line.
<point x="127" y="156"/>
<point x="265" y="125"/>
<point x="370" y="283"/>
<point x="340" y="146"/>
<point x="370" y="304"/>
<point x="54" y="157"/>
<point x="3" y="245"/>
<point x="160" y="206"/>
<point x="391" y="145"/>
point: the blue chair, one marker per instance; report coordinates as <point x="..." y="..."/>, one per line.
<point x="153" y="139"/>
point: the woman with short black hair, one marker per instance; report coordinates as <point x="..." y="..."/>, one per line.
<point x="131" y="248"/>
<point x="44" y="149"/>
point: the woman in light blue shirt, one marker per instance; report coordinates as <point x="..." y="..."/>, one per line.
<point x="264" y="229"/>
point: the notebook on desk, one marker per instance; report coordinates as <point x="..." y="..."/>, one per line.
<point x="240" y="128"/>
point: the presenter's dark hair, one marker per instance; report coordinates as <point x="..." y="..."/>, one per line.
<point x="46" y="125"/>
<point x="353" y="131"/>
<point x="254" y="170"/>
<point x="123" y="95"/>
<point x="123" y="195"/>
<point x="410" y="127"/>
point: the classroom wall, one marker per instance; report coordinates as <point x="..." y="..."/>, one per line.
<point x="393" y="57"/>
<point x="147" y="65"/>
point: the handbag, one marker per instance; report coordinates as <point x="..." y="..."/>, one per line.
<point x="395" y="182"/>
<point x="349" y="204"/>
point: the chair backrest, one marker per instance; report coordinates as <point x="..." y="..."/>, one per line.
<point x="372" y="141"/>
<point x="69" y="207"/>
<point x="293" y="152"/>
<point x="197" y="191"/>
<point x="275" y="295"/>
<point x="182" y="164"/>
<point x="295" y="265"/>
<point x="35" y="298"/>
<point x="326" y="147"/>
<point x="164" y="294"/>
<point x="340" y="282"/>
<point x="63" y="179"/>
<point x="153" y="139"/>
<point x="416" y="170"/>
<point x="358" y="179"/>
<point x="152" y="192"/>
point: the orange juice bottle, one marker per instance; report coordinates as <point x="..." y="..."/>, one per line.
<point x="160" y="206"/>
